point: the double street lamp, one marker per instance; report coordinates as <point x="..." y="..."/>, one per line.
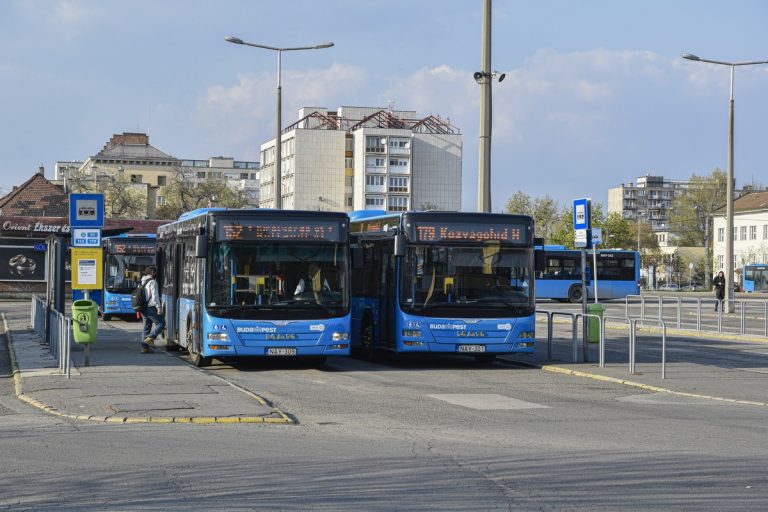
<point x="730" y="184"/>
<point x="278" y="193"/>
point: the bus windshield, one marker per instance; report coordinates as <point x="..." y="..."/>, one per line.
<point x="279" y="275"/>
<point x="124" y="271"/>
<point x="482" y="280"/>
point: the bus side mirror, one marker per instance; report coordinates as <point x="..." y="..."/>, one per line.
<point x="201" y="246"/>
<point x="539" y="260"/>
<point x="400" y="245"/>
<point x="356" y="253"/>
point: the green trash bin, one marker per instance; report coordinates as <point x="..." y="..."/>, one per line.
<point x="593" y="325"/>
<point x="85" y="321"/>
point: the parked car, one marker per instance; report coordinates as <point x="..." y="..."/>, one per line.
<point x="671" y="287"/>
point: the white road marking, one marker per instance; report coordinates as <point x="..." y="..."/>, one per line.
<point x="488" y="402"/>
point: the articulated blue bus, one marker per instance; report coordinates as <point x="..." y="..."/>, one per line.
<point x="618" y="274"/>
<point x="755" y="277"/>
<point x="125" y="258"/>
<point x="256" y="283"/>
<point x="448" y="282"/>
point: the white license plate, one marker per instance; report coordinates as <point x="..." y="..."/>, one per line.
<point x="471" y="348"/>
<point x="281" y="351"/>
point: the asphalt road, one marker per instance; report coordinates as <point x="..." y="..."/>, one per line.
<point x="418" y="434"/>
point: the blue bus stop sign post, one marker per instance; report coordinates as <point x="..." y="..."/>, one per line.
<point x="582" y="222"/>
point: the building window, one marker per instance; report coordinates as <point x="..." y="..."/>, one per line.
<point x="135" y="178"/>
<point x="398" y="203"/>
<point x="375" y="144"/>
<point x="743" y="232"/>
<point x="397" y="162"/>
<point x="349" y="202"/>
<point x="349" y="162"/>
<point x="160" y="200"/>
<point x="374" y="201"/>
<point x="398" y="184"/>
<point x="161" y="181"/>
<point x="720" y="261"/>
<point x="765" y="231"/>
<point x="201" y="175"/>
<point x="735" y="233"/>
<point x="374" y="181"/>
<point x="349" y="180"/>
<point x="720" y="234"/>
<point x="753" y="232"/>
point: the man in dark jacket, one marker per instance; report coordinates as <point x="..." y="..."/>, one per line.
<point x="154" y="323"/>
<point x="719" y="283"/>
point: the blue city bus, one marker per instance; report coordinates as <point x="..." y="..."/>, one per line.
<point x="230" y="283"/>
<point x="126" y="256"/>
<point x="755" y="277"/>
<point x="618" y="274"/>
<point x="447" y="282"/>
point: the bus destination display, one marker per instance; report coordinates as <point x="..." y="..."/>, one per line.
<point x="278" y="230"/>
<point x="455" y="231"/>
<point x="131" y="247"/>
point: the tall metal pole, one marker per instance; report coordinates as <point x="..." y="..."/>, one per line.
<point x="484" y="164"/>
<point x="729" y="208"/>
<point x="278" y="174"/>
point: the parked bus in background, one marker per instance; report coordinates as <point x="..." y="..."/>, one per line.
<point x="125" y="258"/>
<point x="448" y="282"/>
<point x="755" y="277"/>
<point x="256" y="283"/>
<point x="618" y="274"/>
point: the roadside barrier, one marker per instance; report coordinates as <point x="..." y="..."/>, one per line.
<point x="56" y="331"/>
<point x="575" y="317"/>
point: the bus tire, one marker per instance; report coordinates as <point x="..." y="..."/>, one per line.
<point x="574" y="294"/>
<point x="485" y="358"/>
<point x="106" y="317"/>
<point x="366" y="337"/>
<point x="194" y="355"/>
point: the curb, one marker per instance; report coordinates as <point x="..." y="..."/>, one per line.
<point x="276" y="416"/>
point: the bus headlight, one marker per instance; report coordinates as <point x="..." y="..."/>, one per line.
<point x="411" y="333"/>
<point x="217" y="336"/>
<point x="338" y="336"/>
<point x="527" y="335"/>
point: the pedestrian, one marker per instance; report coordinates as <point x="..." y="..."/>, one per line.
<point x="719" y="283"/>
<point x="154" y="323"/>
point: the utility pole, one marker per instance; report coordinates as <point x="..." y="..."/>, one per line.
<point x="485" y="79"/>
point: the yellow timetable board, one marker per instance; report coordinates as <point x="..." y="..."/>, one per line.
<point x="87" y="265"/>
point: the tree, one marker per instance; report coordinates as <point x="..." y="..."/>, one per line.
<point x="618" y="233"/>
<point x="691" y="217"/>
<point x="183" y="195"/>
<point x="544" y="210"/>
<point x="122" y="199"/>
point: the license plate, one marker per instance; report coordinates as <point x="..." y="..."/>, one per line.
<point x="281" y="351"/>
<point x="471" y="348"/>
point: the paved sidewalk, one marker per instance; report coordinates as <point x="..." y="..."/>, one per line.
<point x="122" y="385"/>
<point x="730" y="368"/>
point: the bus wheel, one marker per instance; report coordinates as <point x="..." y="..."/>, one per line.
<point x="106" y="317"/>
<point x="194" y="356"/>
<point x="366" y="336"/>
<point x="574" y="294"/>
<point x="485" y="358"/>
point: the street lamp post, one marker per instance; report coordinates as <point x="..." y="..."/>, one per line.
<point x="730" y="184"/>
<point x="278" y="193"/>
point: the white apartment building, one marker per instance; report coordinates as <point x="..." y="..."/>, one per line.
<point x="648" y="200"/>
<point x="365" y="158"/>
<point x="750" y="233"/>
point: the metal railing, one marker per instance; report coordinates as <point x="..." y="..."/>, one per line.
<point x="56" y="331"/>
<point x="575" y="317"/>
<point x="680" y="311"/>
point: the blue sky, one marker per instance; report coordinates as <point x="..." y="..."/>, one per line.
<point x="596" y="92"/>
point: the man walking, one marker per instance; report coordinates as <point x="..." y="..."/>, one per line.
<point x="154" y="323"/>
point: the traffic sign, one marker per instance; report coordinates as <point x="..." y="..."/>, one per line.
<point x="86" y="210"/>
<point x="582" y="214"/>
<point x="86" y="237"/>
<point x="597" y="236"/>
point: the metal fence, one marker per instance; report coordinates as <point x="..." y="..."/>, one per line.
<point x="749" y="316"/>
<point x="56" y="331"/>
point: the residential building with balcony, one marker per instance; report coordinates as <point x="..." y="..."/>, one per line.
<point x="358" y="158"/>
